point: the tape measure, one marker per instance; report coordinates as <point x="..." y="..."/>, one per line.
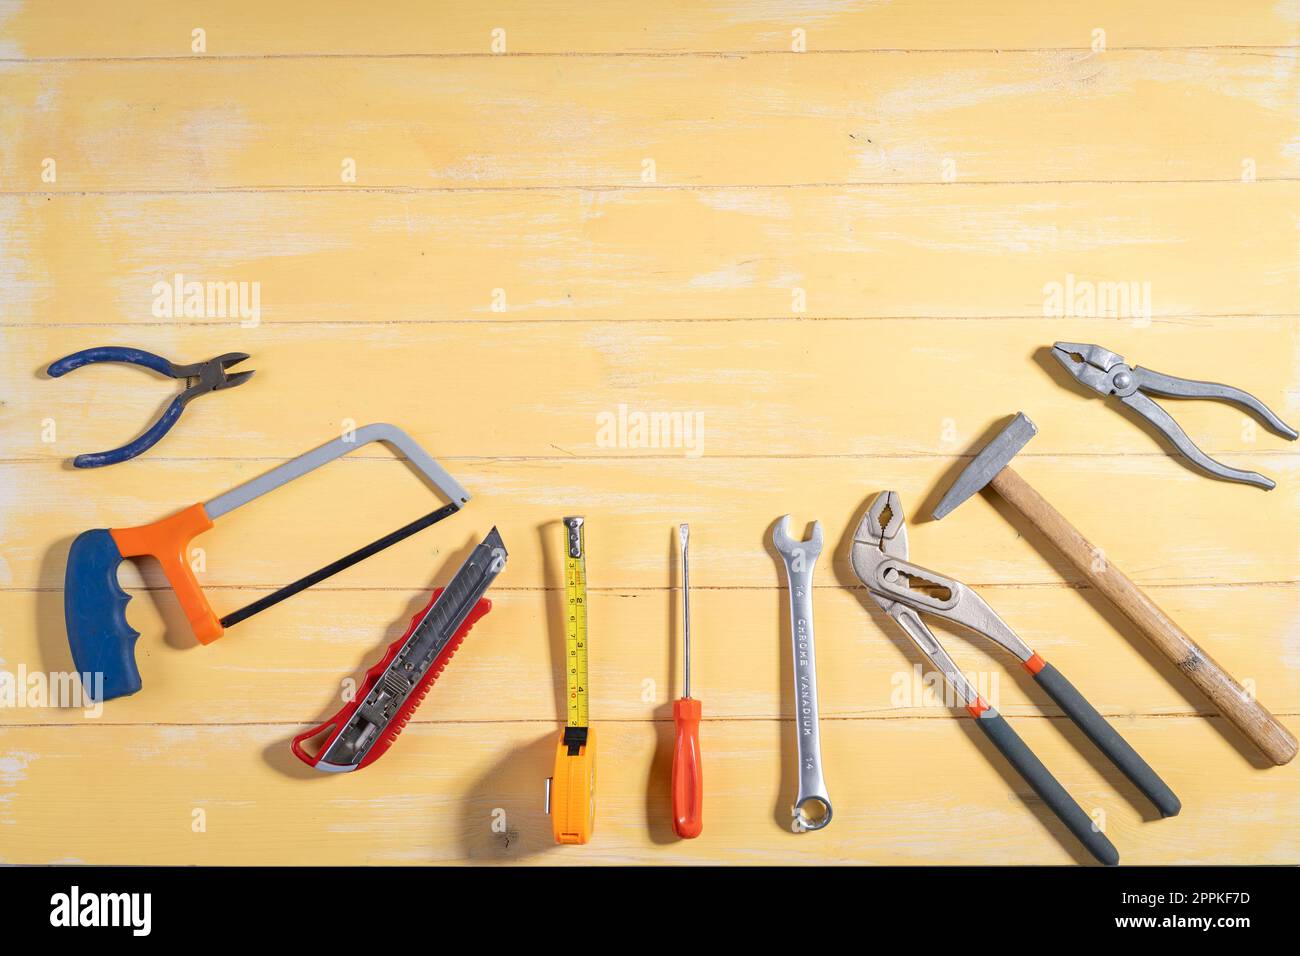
<point x="575" y="624"/>
<point x="571" y="792"/>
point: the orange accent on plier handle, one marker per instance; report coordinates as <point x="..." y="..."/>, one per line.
<point x="168" y="541"/>
<point x="1034" y="664"/>
<point x="688" y="774"/>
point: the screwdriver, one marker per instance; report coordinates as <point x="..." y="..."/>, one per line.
<point x="688" y="777"/>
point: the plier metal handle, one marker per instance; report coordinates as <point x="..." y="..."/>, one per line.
<point x="1108" y="374"/>
<point x="905" y="591"/>
<point x="201" y="378"/>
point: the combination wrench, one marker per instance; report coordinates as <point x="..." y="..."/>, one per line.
<point x="812" y="806"/>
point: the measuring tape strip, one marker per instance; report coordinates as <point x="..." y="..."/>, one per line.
<point x="575" y="629"/>
<point x="571" y="792"/>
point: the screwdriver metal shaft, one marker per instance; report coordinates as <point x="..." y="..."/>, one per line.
<point x="684" y="533"/>
<point x="688" y="776"/>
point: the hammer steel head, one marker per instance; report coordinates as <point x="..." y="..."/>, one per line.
<point x="991" y="460"/>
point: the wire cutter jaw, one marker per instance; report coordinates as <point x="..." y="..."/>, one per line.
<point x="212" y="375"/>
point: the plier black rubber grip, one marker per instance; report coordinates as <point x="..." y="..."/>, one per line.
<point x="905" y="591"/>
<point x="202" y="377"/>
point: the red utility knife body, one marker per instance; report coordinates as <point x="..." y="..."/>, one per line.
<point x="366" y="726"/>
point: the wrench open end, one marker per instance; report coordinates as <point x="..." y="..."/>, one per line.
<point x="794" y="547"/>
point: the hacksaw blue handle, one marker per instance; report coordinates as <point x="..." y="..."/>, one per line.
<point x="94" y="610"/>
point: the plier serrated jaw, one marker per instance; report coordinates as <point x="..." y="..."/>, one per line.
<point x="1092" y="365"/>
<point x="886" y="522"/>
<point x="881" y="536"/>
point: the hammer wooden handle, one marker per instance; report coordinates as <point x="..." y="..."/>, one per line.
<point x="1249" y="716"/>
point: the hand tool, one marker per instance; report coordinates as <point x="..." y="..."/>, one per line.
<point x="94" y="605"/>
<point x="571" y="791"/>
<point x="363" y="730"/>
<point x="1106" y="373"/>
<point x="812" y="805"/>
<point x="990" y="467"/>
<point x="688" y="774"/>
<point x="201" y="378"/>
<point x="906" y="591"/>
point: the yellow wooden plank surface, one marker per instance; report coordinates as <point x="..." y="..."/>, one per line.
<point x="799" y="278"/>
<point x="632" y="507"/>
<point x="792" y="388"/>
<point x="657" y="254"/>
<point x="154" y="28"/>
<point x="290" y="664"/>
<point x="905" y="792"/>
<point x="886" y="117"/>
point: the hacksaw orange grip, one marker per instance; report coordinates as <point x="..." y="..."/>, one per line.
<point x="168" y="541"/>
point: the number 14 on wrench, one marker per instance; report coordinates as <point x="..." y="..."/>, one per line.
<point x="812" y="806"/>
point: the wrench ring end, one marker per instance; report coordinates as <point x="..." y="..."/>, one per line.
<point x="803" y="822"/>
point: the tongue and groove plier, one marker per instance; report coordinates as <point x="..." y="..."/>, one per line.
<point x="905" y="591"/>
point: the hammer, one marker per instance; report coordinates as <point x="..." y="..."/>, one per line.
<point x="990" y="467"/>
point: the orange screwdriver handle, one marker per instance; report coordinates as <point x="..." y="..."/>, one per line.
<point x="688" y="774"/>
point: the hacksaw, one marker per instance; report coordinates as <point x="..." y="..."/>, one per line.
<point x="94" y="604"/>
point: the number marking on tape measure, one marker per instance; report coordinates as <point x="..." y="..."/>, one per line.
<point x="575" y="623"/>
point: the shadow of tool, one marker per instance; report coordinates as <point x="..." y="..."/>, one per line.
<point x="504" y="811"/>
<point x="51" y="635"/>
<point x="279" y="755"/>
<point x="788" y="790"/>
<point x="1013" y="781"/>
<point x="1098" y="601"/>
<point x="1048" y="820"/>
<point x="552" y="536"/>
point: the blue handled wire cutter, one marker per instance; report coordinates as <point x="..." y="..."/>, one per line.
<point x="201" y="378"/>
